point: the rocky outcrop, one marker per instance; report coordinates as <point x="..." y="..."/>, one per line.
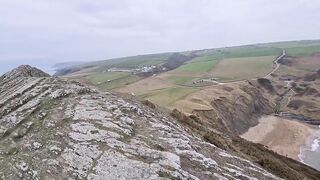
<point x="22" y="72"/>
<point x="56" y="129"/>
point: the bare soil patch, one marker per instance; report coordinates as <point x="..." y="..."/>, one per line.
<point x="280" y="135"/>
<point x="145" y="85"/>
<point x="201" y="100"/>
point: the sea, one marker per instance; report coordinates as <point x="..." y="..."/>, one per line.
<point x="48" y="69"/>
<point x="310" y="153"/>
<point x="44" y="66"/>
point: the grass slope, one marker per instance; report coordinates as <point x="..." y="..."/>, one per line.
<point x="111" y="80"/>
<point x="302" y="51"/>
<point x="243" y="68"/>
<point x="226" y="64"/>
<point x="167" y="97"/>
<point x="179" y="79"/>
<point x="197" y="66"/>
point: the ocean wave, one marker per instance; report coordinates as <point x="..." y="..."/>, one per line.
<point x="301" y="155"/>
<point x="312" y="146"/>
<point x="315" y="145"/>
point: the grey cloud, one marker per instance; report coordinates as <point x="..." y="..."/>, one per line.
<point x="90" y="30"/>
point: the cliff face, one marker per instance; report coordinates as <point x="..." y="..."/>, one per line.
<point x="242" y="112"/>
<point x="56" y="129"/>
<point x="233" y="113"/>
<point x="213" y="129"/>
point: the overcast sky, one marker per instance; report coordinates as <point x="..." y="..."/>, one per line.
<point x="49" y="31"/>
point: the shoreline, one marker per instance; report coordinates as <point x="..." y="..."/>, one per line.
<point x="286" y="137"/>
<point x="310" y="152"/>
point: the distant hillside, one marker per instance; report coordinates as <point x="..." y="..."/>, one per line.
<point x="266" y="49"/>
<point x="66" y="65"/>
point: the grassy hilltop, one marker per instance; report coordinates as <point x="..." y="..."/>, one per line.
<point x="226" y="64"/>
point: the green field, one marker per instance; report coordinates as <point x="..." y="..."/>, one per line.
<point x="111" y="80"/>
<point x="197" y="66"/>
<point x="137" y="61"/>
<point x="302" y="51"/>
<point x="103" y="77"/>
<point x="208" y="60"/>
<point x="180" y="79"/>
<point x="122" y="82"/>
<point x="229" y="64"/>
<point x="290" y="44"/>
<point x="233" y="69"/>
<point x="167" y="97"/>
<point x="297" y="48"/>
<point x="236" y="52"/>
<point x="226" y="64"/>
<point x="127" y="62"/>
<point x="294" y="48"/>
<point x="250" y="51"/>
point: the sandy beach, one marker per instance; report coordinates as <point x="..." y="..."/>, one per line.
<point x="280" y="135"/>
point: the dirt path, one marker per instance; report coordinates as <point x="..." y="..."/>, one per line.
<point x="276" y="62"/>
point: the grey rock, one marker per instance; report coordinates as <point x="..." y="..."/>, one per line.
<point x="57" y="129"/>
